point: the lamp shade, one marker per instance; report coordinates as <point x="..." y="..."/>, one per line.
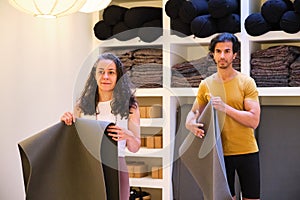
<point x="94" y="5"/>
<point x="48" y="8"/>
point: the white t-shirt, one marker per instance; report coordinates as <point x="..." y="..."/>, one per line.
<point x="106" y="115"/>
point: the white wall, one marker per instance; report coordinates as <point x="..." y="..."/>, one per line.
<point x="39" y="61"/>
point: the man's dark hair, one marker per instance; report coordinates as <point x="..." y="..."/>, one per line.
<point x="225" y="37"/>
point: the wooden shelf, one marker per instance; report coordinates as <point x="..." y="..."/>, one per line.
<point x="176" y="49"/>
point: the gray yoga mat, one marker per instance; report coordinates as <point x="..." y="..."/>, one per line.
<point x="204" y="158"/>
<point x="70" y="162"/>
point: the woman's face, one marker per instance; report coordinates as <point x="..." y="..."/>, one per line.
<point x="106" y="75"/>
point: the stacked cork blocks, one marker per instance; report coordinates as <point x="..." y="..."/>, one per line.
<point x="140" y="169"/>
<point x="151" y="140"/>
<point x="152" y="111"/>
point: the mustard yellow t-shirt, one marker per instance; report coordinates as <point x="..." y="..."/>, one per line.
<point x="236" y="138"/>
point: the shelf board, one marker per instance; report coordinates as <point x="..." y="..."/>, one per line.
<point x="152" y="122"/>
<point x="167" y="91"/>
<point x="192" y="92"/>
<point x="157" y="92"/>
<point x="273" y="36"/>
<point x="146" y="182"/>
<point x="183" y="92"/>
<point x="279" y="91"/>
<point x="134" y="42"/>
<point x="146" y="152"/>
<point x="190" y="40"/>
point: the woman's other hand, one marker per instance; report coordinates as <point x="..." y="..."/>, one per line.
<point x="117" y="133"/>
<point x="68" y="118"/>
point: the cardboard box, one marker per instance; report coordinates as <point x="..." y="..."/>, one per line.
<point x="137" y="169"/>
<point x="158" y="141"/>
<point x="143" y="141"/>
<point x="150" y="142"/>
<point x="143" y="111"/>
<point x="156" y="172"/>
<point x="140" y="170"/>
<point x="130" y="168"/>
<point x="154" y="111"/>
<point x="160" y="173"/>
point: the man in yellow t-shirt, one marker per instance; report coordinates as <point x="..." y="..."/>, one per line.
<point x="235" y="97"/>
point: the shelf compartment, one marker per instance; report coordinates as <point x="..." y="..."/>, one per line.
<point x="152" y="137"/>
<point x="272" y="64"/>
<point x="279" y="91"/>
<point x="151" y="108"/>
<point x="156" y="193"/>
<point x="141" y="167"/>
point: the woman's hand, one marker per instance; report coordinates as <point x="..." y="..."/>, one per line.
<point x="117" y="133"/>
<point x="68" y="118"/>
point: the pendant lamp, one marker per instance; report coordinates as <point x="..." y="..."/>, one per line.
<point x="48" y="8"/>
<point x="94" y="5"/>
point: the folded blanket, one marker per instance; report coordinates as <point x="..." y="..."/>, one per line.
<point x="148" y="52"/>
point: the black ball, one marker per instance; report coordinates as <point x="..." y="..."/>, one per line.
<point x="180" y="28"/>
<point x="231" y="23"/>
<point x="191" y="9"/>
<point x="102" y="31"/>
<point x="122" y="32"/>
<point x="221" y="8"/>
<point x="297" y="6"/>
<point x="272" y="10"/>
<point x="256" y="25"/>
<point x="114" y="14"/>
<point x="290" y="22"/>
<point x="172" y="8"/>
<point x="203" y="26"/>
<point x="150" y="31"/>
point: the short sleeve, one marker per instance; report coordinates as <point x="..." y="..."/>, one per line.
<point x="203" y="93"/>
<point x="251" y="92"/>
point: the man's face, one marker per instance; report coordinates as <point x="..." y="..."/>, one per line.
<point x="223" y="55"/>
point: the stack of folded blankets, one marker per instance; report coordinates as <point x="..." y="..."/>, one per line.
<point x="203" y="18"/>
<point x="144" y="66"/>
<point x="294" y="80"/>
<point x="190" y="73"/>
<point x="271" y="67"/>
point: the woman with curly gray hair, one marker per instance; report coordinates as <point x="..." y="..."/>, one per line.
<point x="108" y="95"/>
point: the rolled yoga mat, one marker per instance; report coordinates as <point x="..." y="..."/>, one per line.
<point x="70" y="162"/>
<point x="204" y="158"/>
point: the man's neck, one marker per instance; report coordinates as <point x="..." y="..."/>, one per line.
<point x="226" y="74"/>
